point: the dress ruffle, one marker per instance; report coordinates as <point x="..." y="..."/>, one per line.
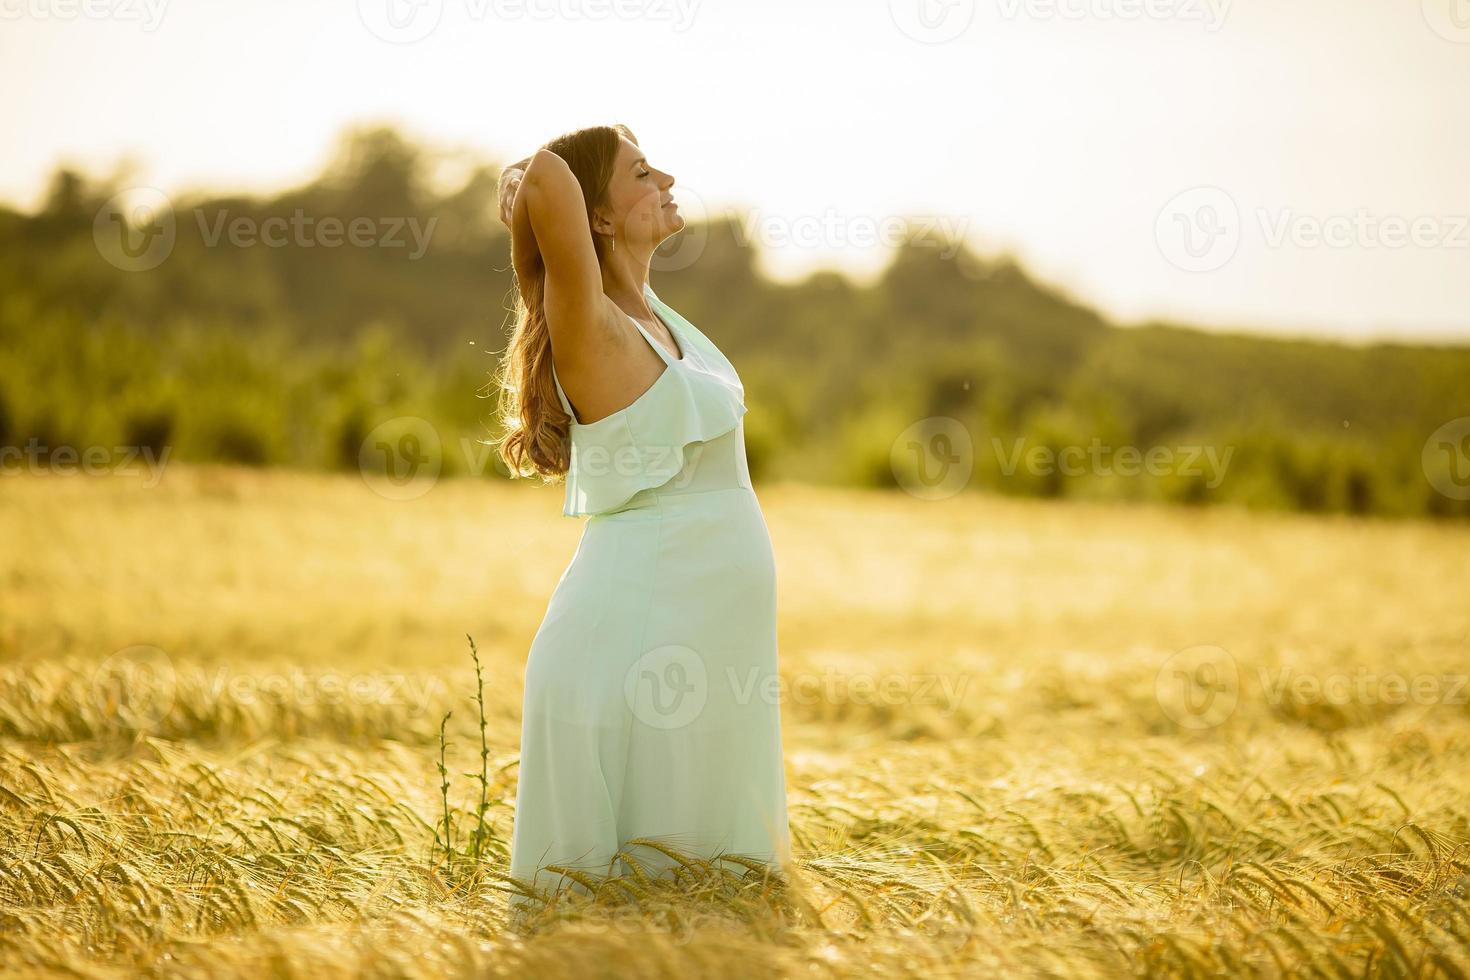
<point x="695" y="399"/>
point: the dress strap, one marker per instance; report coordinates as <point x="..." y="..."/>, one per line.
<point x="658" y="348"/>
<point x="562" y="395"/>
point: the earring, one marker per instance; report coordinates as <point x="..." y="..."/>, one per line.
<point x="612" y="243"/>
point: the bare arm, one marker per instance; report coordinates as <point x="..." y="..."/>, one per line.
<point x="549" y="224"/>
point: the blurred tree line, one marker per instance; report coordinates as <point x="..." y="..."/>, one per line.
<point x="290" y="354"/>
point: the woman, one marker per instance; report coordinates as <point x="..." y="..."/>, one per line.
<point x="650" y="711"/>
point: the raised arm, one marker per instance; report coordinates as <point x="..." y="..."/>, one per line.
<point x="549" y="224"/>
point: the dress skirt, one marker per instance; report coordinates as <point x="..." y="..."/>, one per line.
<point x="652" y="706"/>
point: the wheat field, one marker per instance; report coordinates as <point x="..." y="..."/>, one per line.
<point x="1022" y="739"/>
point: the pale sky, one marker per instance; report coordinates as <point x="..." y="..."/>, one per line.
<point x="1331" y="137"/>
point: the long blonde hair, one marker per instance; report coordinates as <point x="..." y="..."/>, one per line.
<point x="536" y="430"/>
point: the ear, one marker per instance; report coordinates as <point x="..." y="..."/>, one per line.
<point x="601" y="222"/>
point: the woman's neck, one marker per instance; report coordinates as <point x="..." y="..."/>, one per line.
<point x="625" y="279"/>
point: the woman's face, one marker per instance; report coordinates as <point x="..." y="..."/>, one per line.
<point x="640" y="204"/>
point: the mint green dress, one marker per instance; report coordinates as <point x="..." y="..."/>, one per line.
<point x="651" y="702"/>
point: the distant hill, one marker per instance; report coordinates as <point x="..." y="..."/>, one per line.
<point x="287" y="349"/>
